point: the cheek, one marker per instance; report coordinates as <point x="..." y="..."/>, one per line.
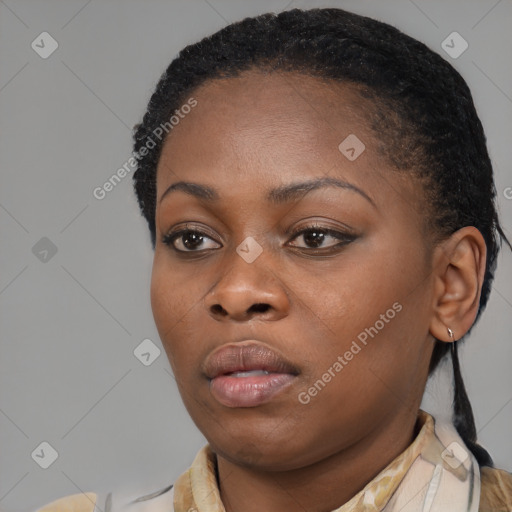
<point x="176" y="299"/>
<point x="381" y="338"/>
<point x="378" y="297"/>
<point x="176" y="289"/>
<point x="348" y="296"/>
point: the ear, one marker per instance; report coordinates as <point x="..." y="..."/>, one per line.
<point x="458" y="272"/>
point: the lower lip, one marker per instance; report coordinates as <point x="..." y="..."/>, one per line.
<point x="248" y="391"/>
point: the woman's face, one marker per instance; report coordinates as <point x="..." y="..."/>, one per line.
<point x="295" y="309"/>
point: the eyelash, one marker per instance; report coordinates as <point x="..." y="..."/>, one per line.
<point x="345" y="238"/>
<point x="171" y="237"/>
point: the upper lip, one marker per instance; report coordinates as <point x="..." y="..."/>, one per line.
<point x="245" y="355"/>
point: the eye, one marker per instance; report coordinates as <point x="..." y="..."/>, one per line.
<point x="189" y="240"/>
<point x="316" y="237"/>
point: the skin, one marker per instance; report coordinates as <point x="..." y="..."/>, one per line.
<point x="261" y="132"/>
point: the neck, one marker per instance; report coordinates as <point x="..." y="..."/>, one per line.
<point x="319" y="487"/>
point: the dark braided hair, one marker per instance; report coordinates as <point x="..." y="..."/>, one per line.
<point x="421" y="111"/>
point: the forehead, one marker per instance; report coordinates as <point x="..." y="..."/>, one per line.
<point x="271" y="101"/>
<point x="263" y="122"/>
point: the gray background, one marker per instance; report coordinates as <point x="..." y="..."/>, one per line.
<point x="69" y="325"/>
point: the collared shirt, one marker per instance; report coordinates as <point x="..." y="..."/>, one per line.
<point x="196" y="489"/>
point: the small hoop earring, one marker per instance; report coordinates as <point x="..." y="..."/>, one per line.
<point x="450" y="333"/>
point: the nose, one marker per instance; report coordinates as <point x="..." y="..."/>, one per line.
<point x="247" y="291"/>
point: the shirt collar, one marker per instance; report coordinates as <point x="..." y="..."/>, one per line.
<point x="197" y="488"/>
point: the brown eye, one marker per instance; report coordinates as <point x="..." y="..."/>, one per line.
<point x="190" y="241"/>
<point x="320" y="238"/>
<point x="314" y="238"/>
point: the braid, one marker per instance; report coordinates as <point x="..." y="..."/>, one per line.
<point x="463" y="418"/>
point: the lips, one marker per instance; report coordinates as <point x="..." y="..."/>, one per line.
<point x="247" y="373"/>
<point x="244" y="357"/>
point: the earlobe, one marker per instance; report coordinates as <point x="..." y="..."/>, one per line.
<point x="459" y="269"/>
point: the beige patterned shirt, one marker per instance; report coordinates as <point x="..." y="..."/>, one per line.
<point x="196" y="489"/>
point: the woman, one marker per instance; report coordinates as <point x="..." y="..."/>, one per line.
<point x="320" y="201"/>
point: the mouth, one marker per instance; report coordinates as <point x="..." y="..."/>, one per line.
<point x="247" y="374"/>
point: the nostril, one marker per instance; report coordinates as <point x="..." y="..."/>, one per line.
<point x="218" y="310"/>
<point x="259" y="308"/>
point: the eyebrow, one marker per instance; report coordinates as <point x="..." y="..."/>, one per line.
<point x="277" y="195"/>
<point x="193" y="189"/>
<point x="296" y="190"/>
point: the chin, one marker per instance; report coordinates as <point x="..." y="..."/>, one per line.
<point x="267" y="453"/>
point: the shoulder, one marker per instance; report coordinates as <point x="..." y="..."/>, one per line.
<point x="83" y="502"/>
<point x="158" y="501"/>
<point x="496" y="490"/>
